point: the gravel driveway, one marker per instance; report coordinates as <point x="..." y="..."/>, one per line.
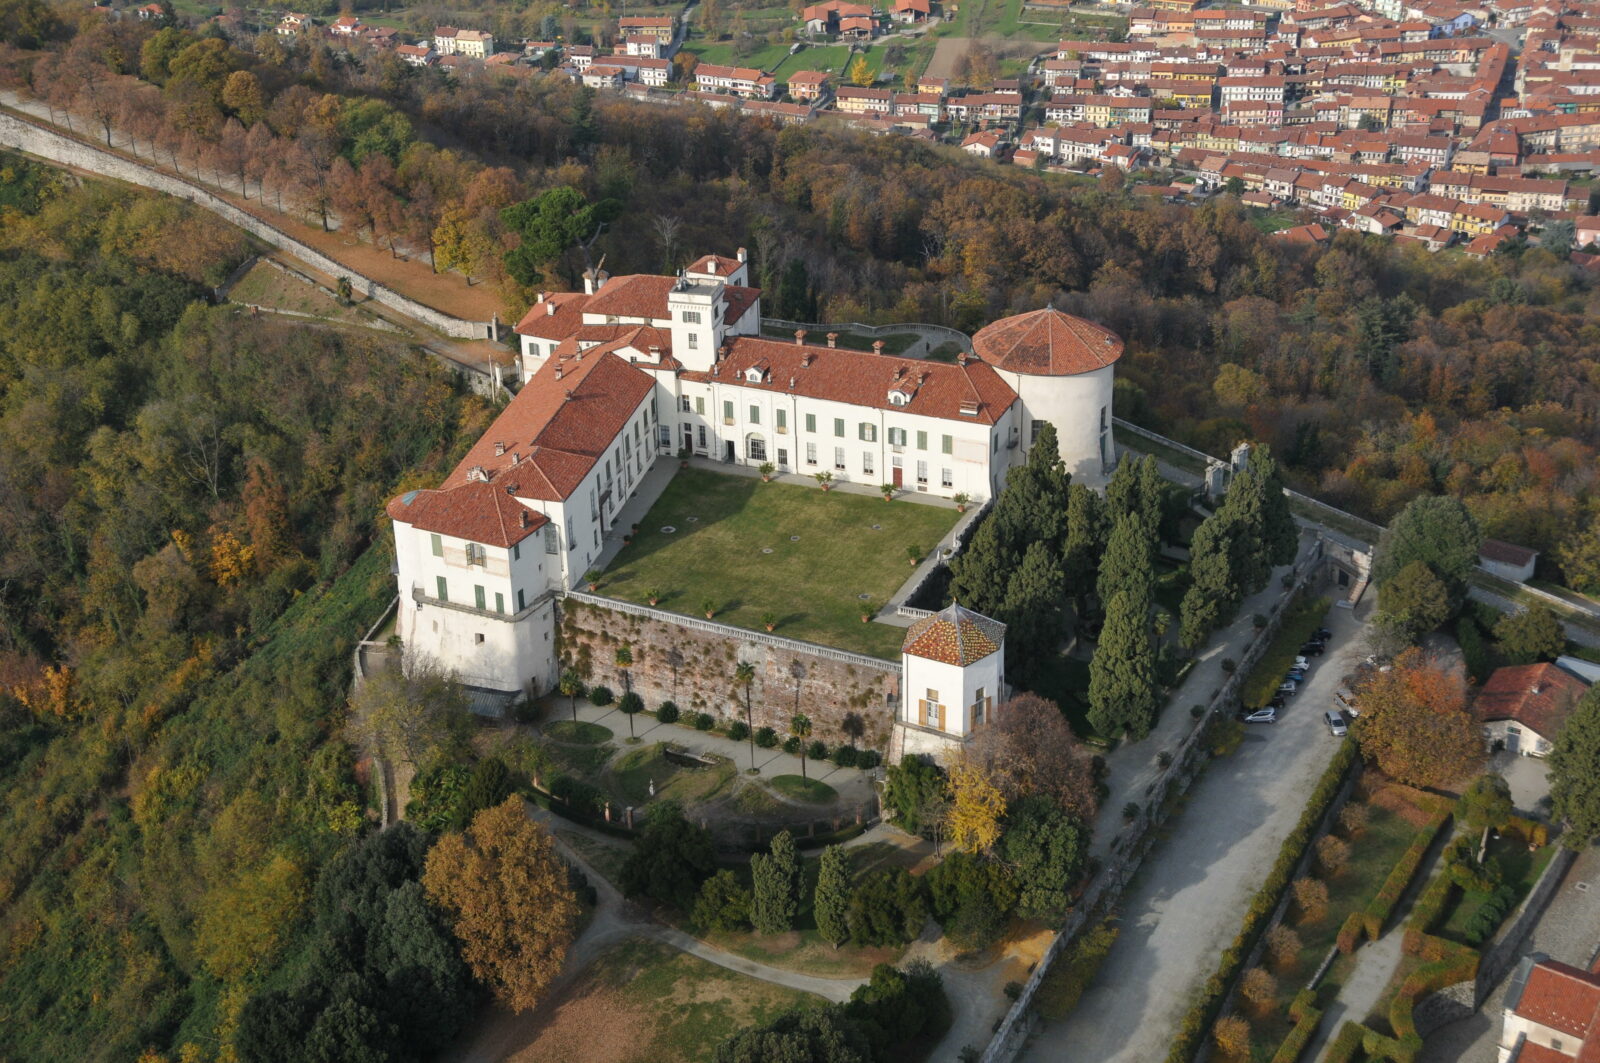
<point x="1186" y="903"/>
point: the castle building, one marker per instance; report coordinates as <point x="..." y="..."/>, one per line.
<point x="635" y="368"/>
<point x="952" y="674"/>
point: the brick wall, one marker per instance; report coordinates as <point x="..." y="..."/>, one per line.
<point x="693" y="663"/>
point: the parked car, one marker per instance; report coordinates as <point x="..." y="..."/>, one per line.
<point x="1297" y="674"/>
<point x="1313" y="649"/>
<point x="1277" y="702"/>
<point x="1267" y="715"/>
<point x="1301" y="662"/>
<point x="1347" y="701"/>
<point x="1289" y="686"/>
<point x="1336" y="724"/>
<point x="1324" y="634"/>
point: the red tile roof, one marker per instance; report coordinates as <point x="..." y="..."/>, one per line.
<point x="862" y="379"/>
<point x="724" y="265"/>
<point x="1537" y="695"/>
<point x="1047" y="343"/>
<point x="1561" y="997"/>
<point x="480" y="512"/>
<point x="540" y="322"/>
<point x="553" y="432"/>
<point x="1507" y="553"/>
<point x="636" y="295"/>
<point x="954" y="635"/>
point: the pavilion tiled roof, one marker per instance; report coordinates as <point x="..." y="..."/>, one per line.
<point x="954" y="635"/>
<point x="479" y="512"/>
<point x="1539" y="696"/>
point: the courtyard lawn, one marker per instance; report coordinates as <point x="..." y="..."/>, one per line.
<point x="642" y="1000"/>
<point x="828" y="57"/>
<point x="827" y="548"/>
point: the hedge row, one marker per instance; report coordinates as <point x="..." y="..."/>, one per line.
<point x="1344" y="1047"/>
<point x="1425" y="913"/>
<point x="1306" y="1018"/>
<point x="1352" y="933"/>
<point x="1405" y="869"/>
<point x="1197" y="1023"/>
<point x="1300" y="622"/>
<point x="1460" y="966"/>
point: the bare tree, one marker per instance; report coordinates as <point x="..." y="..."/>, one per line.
<point x="667" y="228"/>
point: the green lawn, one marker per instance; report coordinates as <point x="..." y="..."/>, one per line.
<point x="579" y="732"/>
<point x="722" y="53"/>
<point x="811" y="791"/>
<point x="828" y="57"/>
<point x="1519" y="868"/>
<point x="812" y="586"/>
<point x="893" y="342"/>
<point x="633" y="772"/>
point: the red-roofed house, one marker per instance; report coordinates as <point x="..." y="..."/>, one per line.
<point x="952" y="667"/>
<point x="1507" y="560"/>
<point x="1526" y="705"/>
<point x="1552" y="1014"/>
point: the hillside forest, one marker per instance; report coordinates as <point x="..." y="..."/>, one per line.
<point x="1375" y="370"/>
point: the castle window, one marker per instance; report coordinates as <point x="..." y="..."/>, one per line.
<point x="946" y="444"/>
<point x="947" y="478"/>
<point x="811" y="422"/>
<point x="727" y="411"/>
<point x="838" y="458"/>
<point x="755" y="414"/>
<point x="700" y="405"/>
<point x="552" y="539"/>
<point x="868" y="432"/>
<point x="478" y="596"/>
<point x="897" y="437"/>
<point x="866" y="462"/>
<point x="438" y="545"/>
<point x="922" y="441"/>
<point x="499" y="602"/>
<point x="811" y="453"/>
<point x="684" y="404"/>
<point x="783" y="421"/>
<point x="522" y="601"/>
<point x="838" y="427"/>
<point x="692" y="317"/>
<point x="440" y="585"/>
<point x="478" y="638"/>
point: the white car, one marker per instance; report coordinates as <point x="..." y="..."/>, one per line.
<point x="1261" y="716"/>
<point x="1301" y="662"/>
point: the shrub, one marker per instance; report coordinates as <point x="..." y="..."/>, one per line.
<point x="869" y="759"/>
<point x="1232" y="1034"/>
<point x="1229" y="665"/>
<point x="704" y="721"/>
<point x="738" y="730"/>
<point x="601" y="695"/>
<point x="631" y="703"/>
<point x="1283" y="945"/>
<point x="887" y="909"/>
<point x="1347" y="1045"/>
<point x="1311" y="898"/>
<point x="723" y="903"/>
<point x="580" y="797"/>
<point x="668" y="712"/>
<point x="1196" y="711"/>
<point x="1259" y="620"/>
<point x="766" y="737"/>
<point x="1405" y="869"/>
<point x="1353" y="819"/>
<point x="1259" y="988"/>
<point x="1064" y="983"/>
<point x="1333" y="854"/>
<point x="1351" y="933"/>
<point x="846" y="756"/>
<point x="1306" y="1020"/>
<point x="1013" y="990"/>
<point x="1130" y="811"/>
<point x="817" y="750"/>
<point x="791" y="746"/>
<point x="1199" y="1018"/>
<point x="1163" y="760"/>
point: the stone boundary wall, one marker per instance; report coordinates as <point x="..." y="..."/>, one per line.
<point x="1502" y="955"/>
<point x="1136" y="840"/>
<point x="691" y="662"/>
<point x="35" y="139"/>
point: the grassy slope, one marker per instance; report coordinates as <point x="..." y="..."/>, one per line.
<point x="811" y="585"/>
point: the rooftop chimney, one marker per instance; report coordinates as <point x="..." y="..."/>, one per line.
<point x="961" y="357"/>
<point x="832" y="338"/>
<point x="549" y="307"/>
<point x="524" y="516"/>
<point x="877" y="346"/>
<point x="499" y="449"/>
<point x="741" y="255"/>
<point x="799" y="337"/>
<point x="558" y="371"/>
<point x="791" y="383"/>
<point x="805" y="361"/>
<point x="713" y="267"/>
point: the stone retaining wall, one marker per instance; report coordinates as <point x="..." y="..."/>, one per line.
<point x="691" y="662"/>
<point x="22" y="134"/>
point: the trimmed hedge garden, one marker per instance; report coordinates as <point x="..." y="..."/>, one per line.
<point x="1307" y="1017"/>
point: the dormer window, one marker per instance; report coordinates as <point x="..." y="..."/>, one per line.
<point x="898" y="398"/>
<point x="478" y="475"/>
<point x="969" y="408"/>
<point x="754" y="375"/>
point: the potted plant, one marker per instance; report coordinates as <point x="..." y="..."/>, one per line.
<point x="825" y="480"/>
<point x="653" y="595"/>
<point x="767" y="469"/>
<point x="868" y="611"/>
<point x="961" y="499"/>
<point x="914" y="554"/>
<point x="592" y="578"/>
<point x="708" y="607"/>
<point x="769" y="620"/>
<point x="683" y="457"/>
<point x="888" y="491"/>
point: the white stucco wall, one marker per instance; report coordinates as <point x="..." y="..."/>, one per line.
<point x="1080" y="409"/>
<point x="957" y="688"/>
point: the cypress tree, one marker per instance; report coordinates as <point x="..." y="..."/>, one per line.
<point x="1152" y="487"/>
<point x="1434" y="529"/>
<point x="1213" y="593"/>
<point x="775" y="879"/>
<point x="1129" y="563"/>
<point x="1245" y="515"/>
<point x="979" y="574"/>
<point x="1574" y="784"/>
<point x="1280" y="537"/>
<point x="1087" y="531"/>
<point x="831" y="901"/>
<point x="1032" y="614"/>
<point x="1122" y="492"/>
<point x="1122" y="673"/>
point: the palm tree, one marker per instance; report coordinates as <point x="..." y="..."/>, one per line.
<point x="746" y="674"/>
<point x="571" y="685"/>
<point x="625" y="662"/>
<point x="800" y="727"/>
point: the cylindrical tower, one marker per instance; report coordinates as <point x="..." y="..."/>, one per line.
<point x="1060" y="366"/>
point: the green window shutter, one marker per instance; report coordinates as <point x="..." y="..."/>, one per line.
<point x="499" y="602"/>
<point x="438" y="545"/>
<point x="838" y="427"/>
<point x="811" y="422"/>
<point x="946" y="445"/>
<point x="922" y="441"/>
<point x="477" y="595"/>
<point x="444" y="594"/>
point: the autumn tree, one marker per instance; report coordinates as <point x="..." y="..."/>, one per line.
<point x="1415" y="724"/>
<point x="1260" y="988"/>
<point x="1574" y="782"/>
<point x="1534" y="634"/>
<point x="976" y="806"/>
<point x="508" y="899"/>
<point x="411" y="716"/>
<point x="860" y="73"/>
<point x="1415" y="602"/>
<point x="1284" y="946"/>
<point x="241" y="94"/>
<point x="1029" y="748"/>
<point x="1311" y="899"/>
<point x="1232" y="1034"/>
